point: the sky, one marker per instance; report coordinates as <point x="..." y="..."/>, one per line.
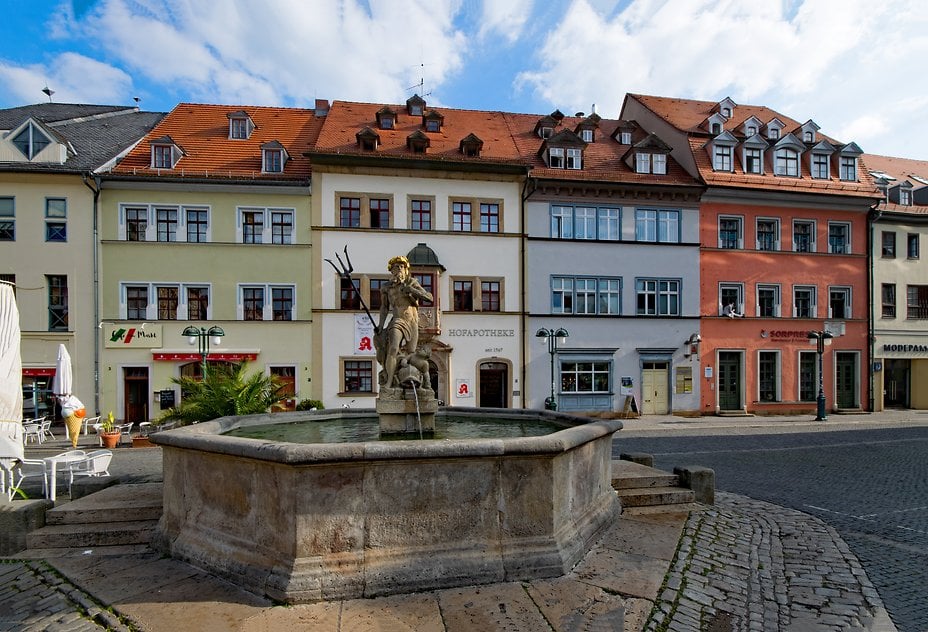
<point x="855" y="67"/>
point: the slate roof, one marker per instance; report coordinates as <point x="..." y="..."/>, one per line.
<point x="97" y="133"/>
<point x="202" y="132"/>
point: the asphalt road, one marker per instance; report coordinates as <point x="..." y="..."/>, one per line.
<point x="870" y="485"/>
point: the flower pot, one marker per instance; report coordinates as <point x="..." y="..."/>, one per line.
<point x="109" y="439"/>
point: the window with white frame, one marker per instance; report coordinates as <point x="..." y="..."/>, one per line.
<point x="642" y="162"/>
<point x="731" y="232"/>
<point x="273" y="160"/>
<point x="585" y="376"/>
<point x="839" y="238"/>
<point x="804" y="303"/>
<point x="768" y="376"/>
<point x="848" y="168"/>
<point x="820" y="167"/>
<point x="265" y="226"/>
<point x="266" y="302"/>
<point x="905" y="197"/>
<point x="135" y="299"/>
<point x="659" y="164"/>
<point x="163" y="223"/>
<point x="7" y="219"/>
<point x="768" y="301"/>
<point x="556" y="157"/>
<point x="238" y="128"/>
<point x="722" y="158"/>
<point x="31" y="141"/>
<point x="768" y="233"/>
<point x="166" y="224"/>
<point x="586" y="134"/>
<point x="56" y="220"/>
<point x="803" y="236"/>
<point x="134" y="222"/>
<point x="585" y="222"/>
<point x="164" y="301"/>
<point x="162" y="156"/>
<point x="731" y="299"/>
<point x="753" y="160"/>
<point x="657" y="225"/>
<point x="657" y="297"/>
<point x="625" y="138"/>
<point x="574" y="158"/>
<point x="839" y="302"/>
<point x="786" y="162"/>
<point x="586" y="295"/>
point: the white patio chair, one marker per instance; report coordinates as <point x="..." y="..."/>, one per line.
<point x="32" y="433"/>
<point x="46" y="425"/>
<point x="15" y="471"/>
<point x="125" y="431"/>
<point x="95" y="464"/>
<point x="90" y="422"/>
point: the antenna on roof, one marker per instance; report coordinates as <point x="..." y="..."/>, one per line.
<point x="48" y="92"/>
<point x="137" y="100"/>
<point x="420" y="87"/>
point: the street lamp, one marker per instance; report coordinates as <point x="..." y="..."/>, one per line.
<point x="553" y="338"/>
<point x="820" y="338"/>
<point x="203" y="336"/>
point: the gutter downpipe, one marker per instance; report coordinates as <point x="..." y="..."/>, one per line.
<point x="528" y="187"/>
<point x="873" y="216"/>
<point x="95" y="187"/>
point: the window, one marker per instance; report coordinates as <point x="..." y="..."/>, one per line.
<point x="731" y="299"/>
<point x="803" y="236"/>
<point x="574" y="158"/>
<point x="253" y="303"/>
<point x="286" y="377"/>
<point x="282" y="303"/>
<point x="562" y="295"/>
<point x="768" y="301"/>
<point x="585" y="222"/>
<point x="136" y="219"/>
<point x="625" y="138"/>
<point x="657" y="225"/>
<point x="608" y="221"/>
<point x="905" y="197"/>
<point x="238" y="128"/>
<point x="586" y="295"/>
<point x="808" y="376"/>
<point x="912" y="243"/>
<point x="787" y="162"/>
<point x="254" y="306"/>
<point x="642" y="162"/>
<point x="556" y="157"/>
<point x="265" y="225"/>
<point x="374" y="286"/>
<point x="57" y="302"/>
<point x="56" y="215"/>
<point x="460" y="216"/>
<point x="252" y="227"/>
<point x="659" y="164"/>
<point x="586" y="135"/>
<point x="916" y="302"/>
<point x="420" y="215"/>
<point x="804" y="301"/>
<point x="586" y="377"/>
<point x="166" y="224"/>
<point x="889" y="300"/>
<point x="889" y="244"/>
<point x="463" y="296"/>
<point x="427" y="281"/>
<point x="839" y="238"/>
<point x="432" y="125"/>
<point x="489" y="218"/>
<point x="753" y="160"/>
<point x="281" y="227"/>
<point x="490" y="295"/>
<point x="137" y="302"/>
<point x="768" y="234"/>
<point x="768" y="376"/>
<point x="820" y="166"/>
<point x="773" y="133"/>
<point x="730" y="233"/>
<point x="348" y="297"/>
<point x="197" y="303"/>
<point x="358" y="376"/>
<point x="162" y="157"/>
<point x="380" y="213"/>
<point x="31" y="141"/>
<point x="349" y="212"/>
<point x="273" y="160"/>
<point x="657" y="297"/>
<point x="848" y="170"/>
<point x="840" y="302"/>
<point x="167" y="302"/>
<point x="7" y="219"/>
<point x="197" y="225"/>
<point x="722" y="158"/>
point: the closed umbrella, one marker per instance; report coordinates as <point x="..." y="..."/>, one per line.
<point x="11" y="379"/>
<point x="61" y="387"/>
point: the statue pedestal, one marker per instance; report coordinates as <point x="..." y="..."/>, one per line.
<point x="396" y="408"/>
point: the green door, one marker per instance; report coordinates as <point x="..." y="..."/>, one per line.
<point x="729" y="380"/>
<point x="846" y="380"/>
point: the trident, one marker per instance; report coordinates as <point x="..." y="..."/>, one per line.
<point x="345" y="273"/>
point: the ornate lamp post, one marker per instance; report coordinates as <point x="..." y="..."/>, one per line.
<point x="202" y="336"/>
<point x="820" y="338"/>
<point x="554" y="338"/>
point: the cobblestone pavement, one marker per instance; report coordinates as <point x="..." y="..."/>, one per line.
<point x="748" y="565"/>
<point x="35" y="597"/>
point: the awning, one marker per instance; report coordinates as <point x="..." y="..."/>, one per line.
<point x="41" y="371"/>
<point x="212" y="357"/>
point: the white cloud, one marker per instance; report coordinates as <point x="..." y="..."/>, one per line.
<point x="74" y="78"/>
<point x="504" y="18"/>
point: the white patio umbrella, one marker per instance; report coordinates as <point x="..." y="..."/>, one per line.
<point x="11" y="378"/>
<point x="64" y="377"/>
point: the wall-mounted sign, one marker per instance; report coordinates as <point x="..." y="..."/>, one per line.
<point x="142" y="336"/>
<point x="463" y="388"/>
<point x="363" y="335"/>
<point x="906" y="348"/>
<point x="481" y="333"/>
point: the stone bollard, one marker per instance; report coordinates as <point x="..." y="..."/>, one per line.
<point x="699" y="479"/>
<point x="641" y="458"/>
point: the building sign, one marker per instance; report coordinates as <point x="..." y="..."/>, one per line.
<point x="482" y="333"/>
<point x="626" y="386"/>
<point x="905" y="348"/>
<point x="463" y="388"/>
<point x="789" y="334"/>
<point x="144" y="336"/>
<point x="363" y="335"/>
<point x="183" y="356"/>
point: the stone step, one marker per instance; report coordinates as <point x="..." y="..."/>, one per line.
<point x="654" y="496"/>
<point x="631" y="475"/>
<point x="119" y="503"/>
<point x="117" y="550"/>
<point x="89" y="535"/>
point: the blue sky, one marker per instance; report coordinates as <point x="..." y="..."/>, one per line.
<point x="853" y="66"/>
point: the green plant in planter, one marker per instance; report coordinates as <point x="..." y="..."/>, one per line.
<point x="108" y="424"/>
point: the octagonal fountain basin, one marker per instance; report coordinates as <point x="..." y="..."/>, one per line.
<point x="323" y="521"/>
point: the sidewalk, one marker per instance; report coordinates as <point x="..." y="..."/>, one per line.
<point x="738" y="565"/>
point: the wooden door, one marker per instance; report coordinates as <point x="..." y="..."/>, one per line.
<point x="729" y="380"/>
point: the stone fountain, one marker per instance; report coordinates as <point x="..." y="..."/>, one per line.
<point x="324" y="521"/>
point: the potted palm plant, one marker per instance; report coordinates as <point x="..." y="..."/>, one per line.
<point x="108" y="433"/>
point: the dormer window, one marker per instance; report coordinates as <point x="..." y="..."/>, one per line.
<point x="726" y="106"/>
<point x="773" y="134"/>
<point x="723" y="152"/>
<point x="716" y="128"/>
<point x="470" y="146"/>
<point x="586" y="134"/>
<point x="273" y="157"/>
<point x="574" y="158"/>
<point x="545" y="132"/>
<point x="564" y="150"/>
<point x="164" y="153"/>
<point x="240" y="125"/>
<point x="433" y="121"/>
<point x="820" y="165"/>
<point x="905" y="197"/>
<point x="625" y="138"/>
<point x="31" y="141"/>
<point x="368" y="140"/>
<point x="386" y="118"/>
<point x="787" y="162"/>
<point x="556" y="157"/>
<point x="847" y="165"/>
<point x="642" y="162"/>
<point x="808" y="136"/>
<point x="751" y="130"/>
<point x="726" y="112"/>
<point x="415" y="105"/>
<point x="417" y="142"/>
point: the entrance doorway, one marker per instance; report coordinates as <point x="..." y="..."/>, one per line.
<point x="135" y="386"/>
<point x="846" y="380"/>
<point x="655" y="399"/>
<point x="896" y="379"/>
<point x="494" y="381"/>
<point x="729" y="380"/>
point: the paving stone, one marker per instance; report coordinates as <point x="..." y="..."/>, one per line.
<point x="494" y="607"/>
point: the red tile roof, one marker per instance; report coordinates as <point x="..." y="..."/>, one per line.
<point x="901" y="169"/>
<point x="202" y="132"/>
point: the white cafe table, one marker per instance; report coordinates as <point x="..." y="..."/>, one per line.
<point x="52" y="463"/>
